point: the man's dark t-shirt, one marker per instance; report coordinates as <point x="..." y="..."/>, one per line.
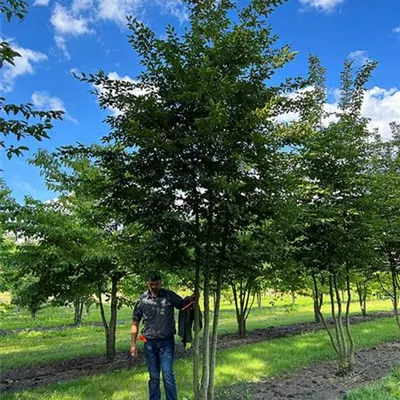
<point x="157" y="313"/>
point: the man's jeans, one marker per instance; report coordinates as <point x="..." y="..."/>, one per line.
<point x="160" y="357"/>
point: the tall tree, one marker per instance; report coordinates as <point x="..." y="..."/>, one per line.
<point x="194" y="156"/>
<point x="335" y="234"/>
<point x="385" y="186"/>
<point x="117" y="247"/>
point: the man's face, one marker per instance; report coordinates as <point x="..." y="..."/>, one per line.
<point x="154" y="287"/>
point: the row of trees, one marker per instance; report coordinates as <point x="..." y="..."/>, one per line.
<point x="197" y="177"/>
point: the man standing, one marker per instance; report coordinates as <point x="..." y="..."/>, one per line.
<point x="156" y="309"/>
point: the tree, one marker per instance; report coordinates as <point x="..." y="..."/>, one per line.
<point x="385" y="184"/>
<point x="194" y="158"/>
<point x="115" y="248"/>
<point x="336" y="234"/>
<point x="17" y="123"/>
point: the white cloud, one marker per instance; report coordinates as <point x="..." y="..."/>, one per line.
<point x="80" y="5"/>
<point x="360" y="57"/>
<point x="79" y="17"/>
<point x="115" y="76"/>
<point x="45" y="102"/>
<point x="323" y="5"/>
<point x="117" y="10"/>
<point x="66" y="23"/>
<point x="176" y="8"/>
<point x="396" y="30"/>
<point x="23" y="65"/>
<point x="43" y="3"/>
<point x="25" y="186"/>
<point x="381" y="106"/>
<point x="62" y="45"/>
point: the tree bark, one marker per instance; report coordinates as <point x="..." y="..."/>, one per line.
<point x="362" y="297"/>
<point x="206" y="337"/>
<point x="259" y="303"/>
<point x="316" y="300"/>
<point x="78" y="310"/>
<point x="113" y="319"/>
<point x="395" y="294"/>
<point x="110" y="328"/>
<point x="348" y="331"/>
<point x="214" y="340"/>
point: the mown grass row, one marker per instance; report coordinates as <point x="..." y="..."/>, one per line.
<point x="236" y="366"/>
<point x="33" y="348"/>
<point x="387" y="388"/>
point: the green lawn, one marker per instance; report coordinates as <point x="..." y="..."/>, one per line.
<point x="29" y="347"/>
<point x="275" y="309"/>
<point x="256" y="361"/>
<point x="385" y="389"/>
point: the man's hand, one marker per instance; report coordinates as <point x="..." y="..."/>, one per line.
<point x="194" y="297"/>
<point x="134" y="350"/>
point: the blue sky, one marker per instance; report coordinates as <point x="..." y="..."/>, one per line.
<point x="60" y="36"/>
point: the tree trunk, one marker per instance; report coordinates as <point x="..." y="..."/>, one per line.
<point x="293" y="294"/>
<point x="196" y="338"/>
<point x="395" y="294"/>
<point x="206" y="337"/>
<point x="113" y="319"/>
<point x="196" y="359"/>
<point x="362" y="298"/>
<point x="110" y="328"/>
<point x="78" y="309"/>
<point x="242" y="326"/>
<point x="351" y="354"/>
<point x="259" y="303"/>
<point x="317" y="302"/>
<point x="214" y="340"/>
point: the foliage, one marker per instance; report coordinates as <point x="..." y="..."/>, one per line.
<point x="17" y="121"/>
<point x="334" y="225"/>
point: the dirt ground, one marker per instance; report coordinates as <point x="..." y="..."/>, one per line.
<point x="318" y="382"/>
<point x="39" y="375"/>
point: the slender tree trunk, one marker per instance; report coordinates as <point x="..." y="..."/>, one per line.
<point x="206" y="336"/>
<point x="362" y="297"/>
<point x="78" y="310"/>
<point x="103" y="317"/>
<point x="205" y="379"/>
<point x="113" y="319"/>
<point x="196" y="360"/>
<point x="395" y="294"/>
<point x="110" y="328"/>
<point x="343" y="359"/>
<point x="348" y="331"/>
<point x="316" y="300"/>
<point x="214" y="341"/>
<point x="196" y="338"/>
<point x="293" y="294"/>
<point x="259" y="303"/>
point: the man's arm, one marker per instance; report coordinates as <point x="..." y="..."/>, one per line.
<point x="180" y="303"/>
<point x="134" y="334"/>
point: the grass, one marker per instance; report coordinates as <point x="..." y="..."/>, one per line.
<point x="32" y="348"/>
<point x="387" y="388"/>
<point x="279" y="309"/>
<point x="256" y="361"/>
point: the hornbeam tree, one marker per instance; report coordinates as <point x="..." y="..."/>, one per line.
<point x="335" y="237"/>
<point x="193" y="154"/>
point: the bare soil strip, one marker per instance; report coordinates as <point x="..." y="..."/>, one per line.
<point x="318" y="381"/>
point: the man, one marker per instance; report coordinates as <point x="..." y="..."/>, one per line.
<point x="156" y="309"/>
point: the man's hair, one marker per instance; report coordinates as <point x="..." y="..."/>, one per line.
<point x="154" y="276"/>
